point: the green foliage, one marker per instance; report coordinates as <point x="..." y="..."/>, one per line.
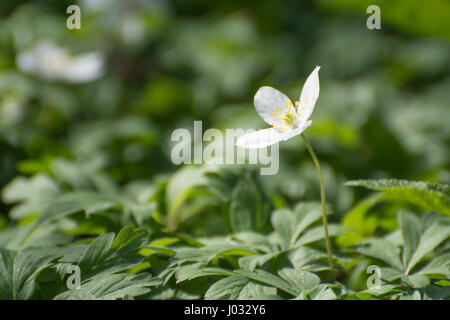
<point x="112" y="287"/>
<point x="87" y="179"/>
<point x="428" y="22"/>
<point x="431" y="196"/>
<point x="284" y="261"/>
<point x="412" y="263"/>
<point x="19" y="269"/>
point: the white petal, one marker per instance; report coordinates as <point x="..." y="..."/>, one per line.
<point x="259" y="139"/>
<point x="52" y="62"/>
<point x="285" y="135"/>
<point x="267" y="100"/>
<point x="84" y="67"/>
<point x="309" y="95"/>
<point x="26" y="62"/>
<point x="44" y="59"/>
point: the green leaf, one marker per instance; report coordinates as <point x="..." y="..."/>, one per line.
<point x="97" y="252"/>
<point x="33" y="193"/>
<point x="306" y="213"/>
<point x="149" y="249"/>
<point x="391" y="274"/>
<point x="318" y="233"/>
<point x="112" y="286"/>
<point x="129" y="239"/>
<point x="195" y="270"/>
<point x="439" y="265"/>
<point x="322" y="292"/>
<point x="437" y="293"/>
<point x="410" y="295"/>
<point x="70" y="203"/>
<point x="283" y="222"/>
<point x="242" y="208"/>
<point x="417" y="281"/>
<point x="308" y="259"/>
<point x="18" y="271"/>
<point x="410" y="227"/>
<point x="362" y="224"/>
<point x="270" y="279"/>
<point x="22" y="188"/>
<point x="431" y="238"/>
<point x="383" y="250"/>
<point x="257" y="291"/>
<point x="247" y="212"/>
<point x="109" y="254"/>
<point x="428" y="195"/>
<point x="205" y="254"/>
<point x="301" y="280"/>
<point x="252" y="239"/>
<point x="179" y="188"/>
<point x="227" y="288"/>
<point x="290" y="226"/>
<point x="375" y="293"/>
<point x="251" y="262"/>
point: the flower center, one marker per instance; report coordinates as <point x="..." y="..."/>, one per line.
<point x="287" y="119"/>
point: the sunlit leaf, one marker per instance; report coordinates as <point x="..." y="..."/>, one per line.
<point x="428" y="195"/>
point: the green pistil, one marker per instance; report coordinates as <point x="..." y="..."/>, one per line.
<point x="290" y="119"/>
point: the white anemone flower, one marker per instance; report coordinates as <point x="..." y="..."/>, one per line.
<point x="287" y="120"/>
<point x="51" y="62"/>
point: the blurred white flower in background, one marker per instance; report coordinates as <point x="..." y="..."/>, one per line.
<point x="52" y="62"/>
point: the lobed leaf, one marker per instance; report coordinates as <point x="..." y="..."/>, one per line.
<point x="428" y="195"/>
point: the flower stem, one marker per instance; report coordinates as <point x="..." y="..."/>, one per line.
<point x="322" y="198"/>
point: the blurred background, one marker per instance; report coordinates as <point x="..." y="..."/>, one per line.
<point x="94" y="109"/>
